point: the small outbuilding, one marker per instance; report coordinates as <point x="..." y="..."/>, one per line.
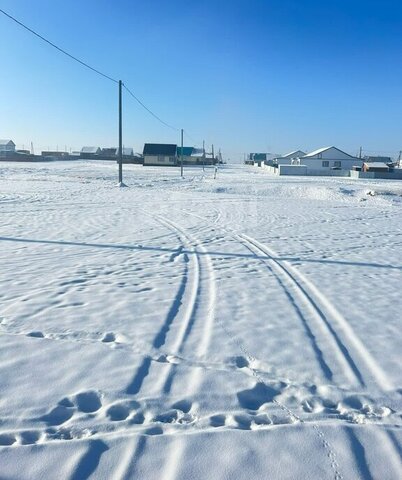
<point x="375" y="167"/>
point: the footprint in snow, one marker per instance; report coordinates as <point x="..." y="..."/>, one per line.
<point x="30" y="437"/>
<point x="7" y="439"/>
<point x="36" y="334"/>
<point x="180" y="413"/>
<point x="57" y="416"/>
<point x="168" y="359"/>
<point x="241" y="362"/>
<point x="109" y="337"/>
<point x="88" y="402"/>
<point x="121" y="411"/>
<point x="258" y="395"/>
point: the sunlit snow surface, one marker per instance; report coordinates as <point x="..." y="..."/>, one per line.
<point x="246" y="327"/>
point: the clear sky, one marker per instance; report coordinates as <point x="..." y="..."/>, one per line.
<point x="246" y="75"/>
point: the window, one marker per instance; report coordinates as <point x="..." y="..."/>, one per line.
<point x="171" y="159"/>
<point x="161" y="158"/>
<point x="338" y="164"/>
<point x="325" y="163"/>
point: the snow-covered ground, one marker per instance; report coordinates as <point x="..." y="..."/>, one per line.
<point x="246" y="327"/>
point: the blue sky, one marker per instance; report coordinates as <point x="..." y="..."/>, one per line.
<point x="273" y="75"/>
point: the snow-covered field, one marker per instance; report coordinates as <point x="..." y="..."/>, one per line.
<point x="246" y="327"/>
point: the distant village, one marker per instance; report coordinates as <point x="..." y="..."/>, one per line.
<point x="153" y="154"/>
<point x="328" y="161"/>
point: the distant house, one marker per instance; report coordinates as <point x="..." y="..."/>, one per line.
<point x="257" y="159"/>
<point x="187" y="153"/>
<point x="375" y="167"/>
<point x="160" y="154"/>
<point x="127" y="151"/>
<point x="194" y="156"/>
<point x="7" y="147"/>
<point x="329" y="158"/>
<point x="90" y="152"/>
<point x="109" y="152"/>
<point x="289" y="158"/>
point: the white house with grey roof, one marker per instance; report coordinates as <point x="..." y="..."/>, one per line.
<point x="289" y="158"/>
<point x="329" y="158"/>
<point x="7" y="146"/>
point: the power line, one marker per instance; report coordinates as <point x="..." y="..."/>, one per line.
<point x="191" y="138"/>
<point x="58" y="48"/>
<point x="87" y="66"/>
<point x="148" y="110"/>
<point x="93" y="69"/>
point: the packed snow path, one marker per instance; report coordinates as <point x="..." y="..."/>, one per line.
<point x="243" y="327"/>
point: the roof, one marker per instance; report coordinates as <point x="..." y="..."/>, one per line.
<point x="322" y="150"/>
<point x="168" y="149"/>
<point x="90" y="149"/>
<point x="6" y="142"/>
<point x="299" y="153"/>
<point x="373" y="165"/>
<point x="375" y="158"/>
<point x="187" y="151"/>
<point x="197" y="152"/>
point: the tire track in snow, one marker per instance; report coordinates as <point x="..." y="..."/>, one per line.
<point x="293" y="416"/>
<point x="183" y="304"/>
<point x="204" y="264"/>
<point x="348" y="349"/>
<point x="351" y="351"/>
<point x="193" y="310"/>
<point x="351" y="354"/>
<point x="204" y="268"/>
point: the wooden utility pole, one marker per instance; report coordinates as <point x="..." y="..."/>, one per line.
<point x="120" y="136"/>
<point x="360" y="154"/>
<point x="213" y="161"/>
<point x="203" y="155"/>
<point x="181" y="156"/>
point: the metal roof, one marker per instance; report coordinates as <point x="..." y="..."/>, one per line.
<point x="322" y="150"/>
<point x="167" y="149"/>
<point x="197" y="152"/>
<point x="373" y="165"/>
<point x="299" y="153"/>
<point x="6" y="142"/>
<point x="187" y="151"/>
<point x="90" y="149"/>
